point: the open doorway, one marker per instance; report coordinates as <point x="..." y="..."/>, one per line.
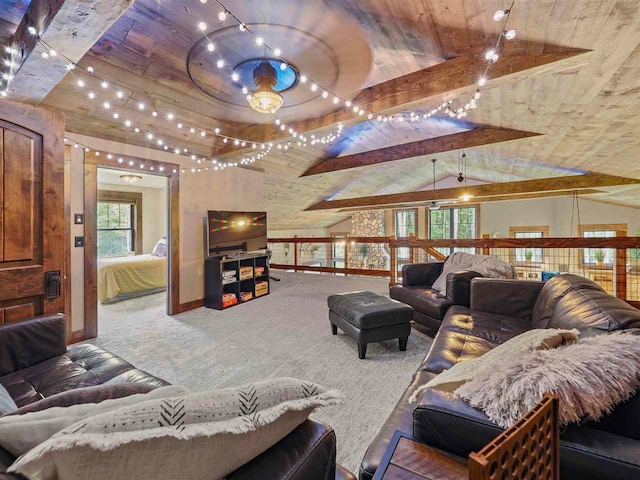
<point x="131" y="252"/>
<point x="131" y="244"/>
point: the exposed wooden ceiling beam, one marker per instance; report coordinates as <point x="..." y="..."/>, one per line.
<point x="68" y="26"/>
<point x="430" y="86"/>
<point x="457" y="141"/>
<point x="573" y="182"/>
<point x="500" y="198"/>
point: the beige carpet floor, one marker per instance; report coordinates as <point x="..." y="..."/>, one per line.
<point x="285" y="334"/>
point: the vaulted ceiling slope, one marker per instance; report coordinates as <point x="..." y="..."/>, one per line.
<point x="582" y="105"/>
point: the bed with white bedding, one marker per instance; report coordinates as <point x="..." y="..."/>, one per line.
<point x="120" y="278"/>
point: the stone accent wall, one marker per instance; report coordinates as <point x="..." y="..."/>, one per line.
<point x="373" y="256"/>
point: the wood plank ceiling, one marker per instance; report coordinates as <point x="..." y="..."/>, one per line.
<point x="586" y="115"/>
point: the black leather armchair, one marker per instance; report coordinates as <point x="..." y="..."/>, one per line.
<point x="429" y="305"/>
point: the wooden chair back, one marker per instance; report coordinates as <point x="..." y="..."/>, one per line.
<point x="528" y="450"/>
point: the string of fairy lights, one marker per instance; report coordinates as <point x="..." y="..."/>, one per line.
<point x="116" y="102"/>
<point x="203" y="166"/>
<point x="491" y="56"/>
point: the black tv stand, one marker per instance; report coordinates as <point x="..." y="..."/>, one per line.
<point x="215" y="284"/>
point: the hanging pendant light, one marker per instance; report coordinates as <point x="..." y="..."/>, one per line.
<point x="265" y="99"/>
<point x="465" y="197"/>
<point x="434" y="205"/>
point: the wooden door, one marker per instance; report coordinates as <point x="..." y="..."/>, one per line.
<point x="32" y="238"/>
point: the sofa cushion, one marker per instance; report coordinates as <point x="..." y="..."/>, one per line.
<point x="200" y="435"/>
<point x="21" y="433"/>
<point x="538" y="339"/>
<point x="589" y="378"/>
<point x="79" y="396"/>
<point x="366" y="310"/>
<point x="424" y="300"/>
<point x="82" y="366"/>
<point x="466" y="334"/>
<point x="593" y="311"/>
<point x="552" y="291"/>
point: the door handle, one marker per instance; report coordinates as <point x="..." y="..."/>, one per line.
<point x="52" y="284"/>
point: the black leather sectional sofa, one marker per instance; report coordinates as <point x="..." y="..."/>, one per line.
<point x="35" y="364"/>
<point x="500" y="310"/>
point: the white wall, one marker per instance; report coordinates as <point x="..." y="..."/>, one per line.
<point x="231" y="189"/>
<point x="154" y="212"/>
<point x="556" y="213"/>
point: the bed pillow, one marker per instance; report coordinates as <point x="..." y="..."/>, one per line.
<point x="160" y="250"/>
<point x="590" y="377"/>
<point x="7" y="405"/>
<point x="198" y="436"/>
<point x="21" y="433"/>
<point x="462" y="372"/>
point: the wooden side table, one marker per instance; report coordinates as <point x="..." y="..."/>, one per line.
<point x="408" y="459"/>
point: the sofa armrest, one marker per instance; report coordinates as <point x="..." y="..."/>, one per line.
<point x="459" y="286"/>
<point x="421" y="274"/>
<point x="444" y="421"/>
<point x="489" y="295"/>
<point x="31" y="341"/>
<point x="307" y="453"/>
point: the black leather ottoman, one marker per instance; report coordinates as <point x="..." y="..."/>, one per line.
<point x="369" y="317"/>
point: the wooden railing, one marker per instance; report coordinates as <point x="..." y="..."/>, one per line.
<point x="379" y="256"/>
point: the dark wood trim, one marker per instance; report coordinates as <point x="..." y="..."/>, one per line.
<point x="329" y="240"/>
<point x="457" y="141"/>
<point x="90" y="250"/>
<point x="112" y="160"/>
<point x="482" y="192"/>
<point x="192" y="305"/>
<point x="76" y="337"/>
<point x="174" y="241"/>
<point x="563" y="242"/>
<point x="544" y="229"/>
<point x="133" y="198"/>
<point x="346" y="271"/>
<point x="568" y="242"/>
<point x="66" y="276"/>
<point x="452" y="207"/>
<point x="169" y="170"/>
<point x="634" y="303"/>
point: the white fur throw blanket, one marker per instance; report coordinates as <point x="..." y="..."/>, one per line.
<point x="462" y="372"/>
<point x="486" y="265"/>
<point x="589" y="377"/>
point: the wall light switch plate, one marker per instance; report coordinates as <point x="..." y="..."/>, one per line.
<point x="79" y="242"/>
<point x="78" y="218"/>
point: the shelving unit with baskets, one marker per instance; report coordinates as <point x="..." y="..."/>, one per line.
<point x="244" y="276"/>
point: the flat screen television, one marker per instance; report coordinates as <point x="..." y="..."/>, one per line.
<point x="234" y="232"/>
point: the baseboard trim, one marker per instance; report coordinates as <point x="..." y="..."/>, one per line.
<point x="76" y="336"/>
<point x="192" y="305"/>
